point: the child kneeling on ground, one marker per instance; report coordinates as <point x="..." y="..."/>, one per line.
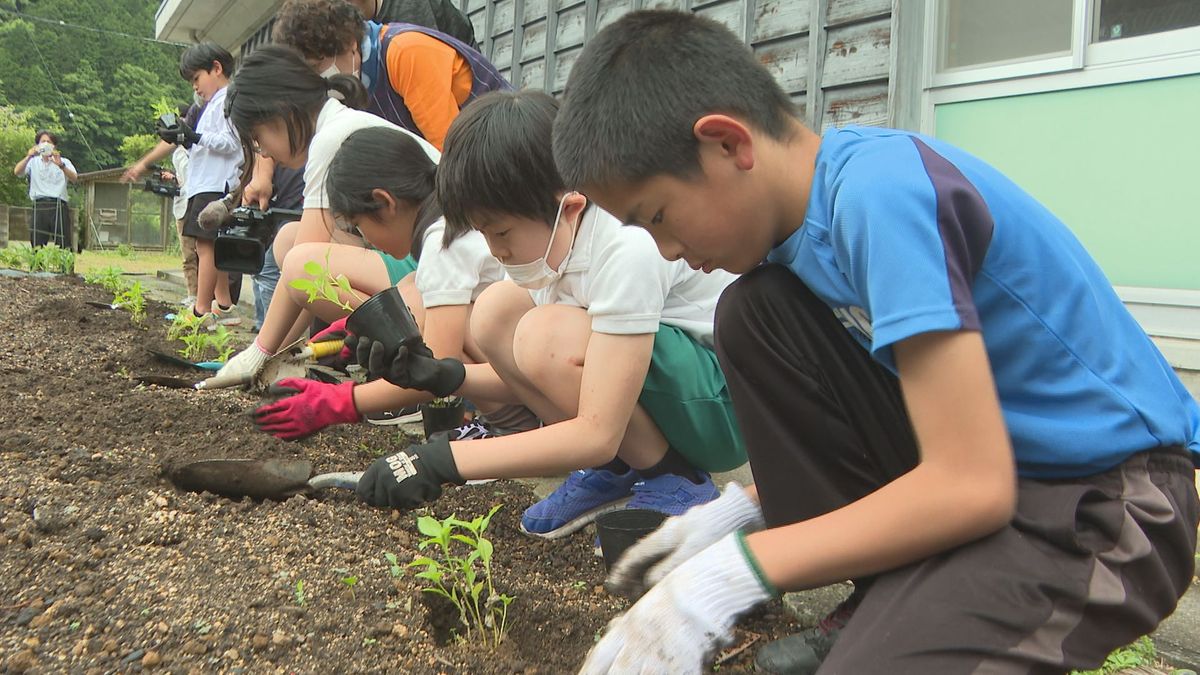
<point x="604" y="340"/>
<point x="942" y="396"/>
<point x="382" y="183"/>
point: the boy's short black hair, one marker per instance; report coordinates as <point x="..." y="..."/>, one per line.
<point x="45" y="132"/>
<point x="497" y="160"/>
<point x="319" y="29"/>
<point x="640" y="85"/>
<point x="201" y="57"/>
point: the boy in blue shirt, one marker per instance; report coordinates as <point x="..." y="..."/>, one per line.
<point x="941" y="396"/>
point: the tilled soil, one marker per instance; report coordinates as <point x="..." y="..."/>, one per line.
<point x="106" y="567"/>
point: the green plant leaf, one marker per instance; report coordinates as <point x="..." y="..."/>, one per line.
<point x="314" y="268"/>
<point x="429" y="526"/>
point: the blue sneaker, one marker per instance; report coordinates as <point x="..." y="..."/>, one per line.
<point x="670" y="494"/>
<point x="583" y="496"/>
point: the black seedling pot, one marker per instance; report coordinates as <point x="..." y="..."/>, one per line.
<point x="442" y="418"/>
<point x="384" y="317"/>
<point x="620" y="529"/>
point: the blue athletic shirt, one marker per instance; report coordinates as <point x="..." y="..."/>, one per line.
<point x="905" y="234"/>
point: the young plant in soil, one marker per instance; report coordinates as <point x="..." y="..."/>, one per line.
<point x="111" y="279"/>
<point x="461" y="572"/>
<point x="324" y="286"/>
<point x="133" y="300"/>
<point x="298" y="594"/>
<point x="53" y="258"/>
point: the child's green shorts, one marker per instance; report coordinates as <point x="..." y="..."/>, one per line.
<point x="398" y="268"/>
<point x="686" y="396"/>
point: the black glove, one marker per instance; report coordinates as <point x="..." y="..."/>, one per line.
<point x="180" y="133"/>
<point x="410" y="477"/>
<point x="413" y="367"/>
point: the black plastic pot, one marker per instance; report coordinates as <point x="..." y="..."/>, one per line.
<point x="384" y="317"/>
<point x="442" y="418"/>
<point x="620" y="529"/>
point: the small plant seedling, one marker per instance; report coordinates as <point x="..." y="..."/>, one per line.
<point x="393" y="565"/>
<point x="298" y="593"/>
<point x="219" y="341"/>
<point x="1140" y="654"/>
<point x="462" y="573"/>
<point x="324" y="286"/>
<point x="133" y="300"/>
<point x="51" y="258"/>
<point x="369" y="641"/>
<point x="111" y="279"/>
<point x="350" y="582"/>
<point x="579" y="585"/>
<point x="125" y="250"/>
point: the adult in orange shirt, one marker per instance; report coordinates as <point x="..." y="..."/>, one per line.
<point x="417" y="77"/>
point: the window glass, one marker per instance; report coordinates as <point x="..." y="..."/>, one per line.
<point x="991" y="32"/>
<point x="1116" y="19"/>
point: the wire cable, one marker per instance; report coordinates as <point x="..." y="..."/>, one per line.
<point x="63" y="24"/>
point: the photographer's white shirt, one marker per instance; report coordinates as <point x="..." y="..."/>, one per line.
<point x="216" y="159"/>
<point x="47" y="179"/>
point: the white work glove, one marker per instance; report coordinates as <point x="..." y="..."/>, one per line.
<point x="645" y="563"/>
<point x="238" y="370"/>
<point x="678" y="626"/>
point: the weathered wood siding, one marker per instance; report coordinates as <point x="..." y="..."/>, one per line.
<point x="836" y="58"/>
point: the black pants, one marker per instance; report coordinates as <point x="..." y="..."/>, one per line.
<point x="1085" y="566"/>
<point x="51" y="222"/>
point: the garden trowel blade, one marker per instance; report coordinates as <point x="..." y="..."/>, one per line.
<point x="236" y="478"/>
<point x="165" y="381"/>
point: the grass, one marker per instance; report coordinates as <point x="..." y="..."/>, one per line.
<point x="139" y="262"/>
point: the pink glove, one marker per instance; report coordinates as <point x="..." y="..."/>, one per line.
<point x="314" y="406"/>
<point x="335" y="331"/>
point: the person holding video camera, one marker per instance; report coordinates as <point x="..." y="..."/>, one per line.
<point x="215" y="154"/>
<point x="48" y="173"/>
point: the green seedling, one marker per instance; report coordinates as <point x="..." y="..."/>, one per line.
<point x="133" y="300"/>
<point x="350" y="582"/>
<point x="324" y="286"/>
<point x="125" y="250"/>
<point x="111" y="279"/>
<point x="219" y="341"/>
<point x="393" y="565"/>
<point x="298" y="593"/>
<point x="462" y="573"/>
<point x="50" y="258"/>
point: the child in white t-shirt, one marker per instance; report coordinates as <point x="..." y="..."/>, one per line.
<point x="284" y="112"/>
<point x="607" y="342"/>
<point x="382" y="183"/>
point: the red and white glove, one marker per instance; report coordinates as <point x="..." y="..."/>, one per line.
<point x="313" y="406"/>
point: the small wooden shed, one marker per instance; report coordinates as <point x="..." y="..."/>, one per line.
<point x="116" y="213"/>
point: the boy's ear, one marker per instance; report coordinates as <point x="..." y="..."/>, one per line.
<point x="727" y="135"/>
<point x="574" y="203"/>
<point x="217" y="69"/>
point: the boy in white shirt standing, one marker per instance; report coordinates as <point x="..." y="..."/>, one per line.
<point x="607" y="342"/>
<point x="214" y="167"/>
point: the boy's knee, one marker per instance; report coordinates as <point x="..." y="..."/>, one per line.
<point x="495" y="313"/>
<point x="737" y="309"/>
<point x="550" y="340"/>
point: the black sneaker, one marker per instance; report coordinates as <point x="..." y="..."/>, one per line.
<point x="804" y="652"/>
<point x="392" y="417"/>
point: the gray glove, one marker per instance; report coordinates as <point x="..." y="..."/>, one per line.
<point x="216" y="214"/>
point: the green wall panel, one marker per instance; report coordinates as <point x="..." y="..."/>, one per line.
<point x="1120" y="164"/>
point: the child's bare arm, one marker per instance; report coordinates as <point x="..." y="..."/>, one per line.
<point x="614" y="370"/>
<point x="963" y="488"/>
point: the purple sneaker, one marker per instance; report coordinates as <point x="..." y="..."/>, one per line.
<point x="585" y="494"/>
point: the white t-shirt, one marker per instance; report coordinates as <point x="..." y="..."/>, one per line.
<point x="335" y="122"/>
<point x="179" y="157"/>
<point x="47" y="179"/>
<point x="455" y="275"/>
<point x="215" y="161"/>
<point x="616" y="273"/>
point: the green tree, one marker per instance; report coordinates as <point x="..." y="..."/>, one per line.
<point x="16" y="136"/>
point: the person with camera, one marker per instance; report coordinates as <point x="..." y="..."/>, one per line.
<point x="215" y="155"/>
<point x="48" y="173"/>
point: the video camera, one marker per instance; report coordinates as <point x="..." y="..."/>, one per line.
<point x="241" y="245"/>
<point x="160" y="186"/>
<point x="174" y="130"/>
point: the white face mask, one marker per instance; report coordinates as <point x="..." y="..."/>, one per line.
<point x="538" y="273"/>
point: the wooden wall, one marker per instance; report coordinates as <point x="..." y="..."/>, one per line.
<point x="836" y="58"/>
